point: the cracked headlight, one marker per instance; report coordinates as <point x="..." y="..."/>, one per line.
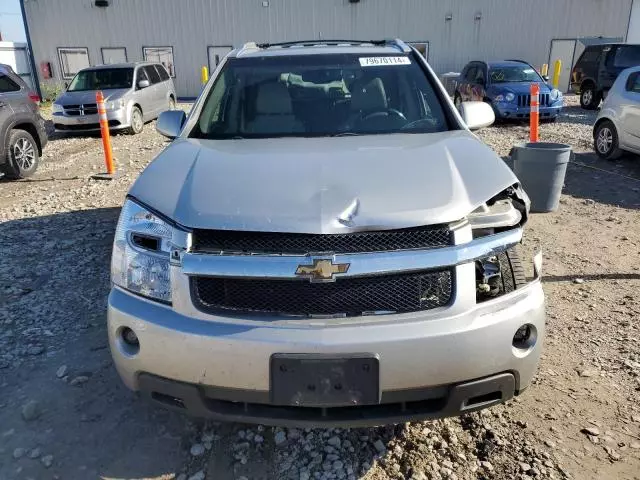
<point x="141" y="247"/>
<point x="57" y="108"/>
<point x="556" y="94"/>
<point x="509" y="97"/>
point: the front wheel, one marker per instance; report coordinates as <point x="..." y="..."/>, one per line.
<point x="589" y="97"/>
<point x="606" y="141"/>
<point x="137" y="122"/>
<point x="511" y="269"/>
<point x="22" y="155"/>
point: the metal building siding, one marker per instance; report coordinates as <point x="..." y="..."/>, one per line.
<point x="508" y="28"/>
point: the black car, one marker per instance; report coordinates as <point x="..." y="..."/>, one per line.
<point x="597" y="69"/>
<point x="22" y="130"/>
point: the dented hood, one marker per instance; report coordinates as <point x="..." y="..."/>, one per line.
<point x="323" y="185"/>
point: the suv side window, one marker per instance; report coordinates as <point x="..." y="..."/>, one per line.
<point x="626" y="56"/>
<point x="590" y="55"/>
<point x="471" y="74"/>
<point x="633" y="83"/>
<point x="7" y="85"/>
<point x="154" y="77"/>
<point x="164" y="76"/>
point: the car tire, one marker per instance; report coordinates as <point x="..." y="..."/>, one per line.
<point x="137" y="121"/>
<point x="605" y="141"/>
<point x="22" y="157"/>
<point x="589" y="97"/>
<point x="512" y="269"/>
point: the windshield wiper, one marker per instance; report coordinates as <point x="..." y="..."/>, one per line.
<point x="346" y="134"/>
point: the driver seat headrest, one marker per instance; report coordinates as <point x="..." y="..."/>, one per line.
<point x="369" y="96"/>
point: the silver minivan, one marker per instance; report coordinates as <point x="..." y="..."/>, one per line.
<point x="134" y="93"/>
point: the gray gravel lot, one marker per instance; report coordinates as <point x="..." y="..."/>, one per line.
<point x="64" y="414"/>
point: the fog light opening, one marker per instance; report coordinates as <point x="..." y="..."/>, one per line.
<point x="525" y="337"/>
<point x="129" y="342"/>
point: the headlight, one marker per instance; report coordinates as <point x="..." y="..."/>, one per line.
<point x="498" y="98"/>
<point x="555" y="94"/>
<point x="115" y="105"/>
<point x="140" y="259"/>
<point x="57" y="108"/>
<point x="509" y="97"/>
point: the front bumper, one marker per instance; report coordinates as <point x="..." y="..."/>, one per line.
<point x="506" y="110"/>
<point x="432" y="364"/>
<point x="118" y="120"/>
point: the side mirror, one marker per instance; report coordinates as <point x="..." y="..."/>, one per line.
<point x="170" y="123"/>
<point x="477" y="115"/>
<point x="545" y="78"/>
<point x="66" y="85"/>
<point x="143" y="84"/>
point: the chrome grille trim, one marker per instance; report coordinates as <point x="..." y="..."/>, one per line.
<point x="363" y="264"/>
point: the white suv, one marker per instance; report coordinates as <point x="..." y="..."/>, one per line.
<point x="325" y="243"/>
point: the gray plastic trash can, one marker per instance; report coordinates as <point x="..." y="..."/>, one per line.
<point x="541" y="168"/>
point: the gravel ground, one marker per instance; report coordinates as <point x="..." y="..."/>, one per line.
<point x="64" y="414"/>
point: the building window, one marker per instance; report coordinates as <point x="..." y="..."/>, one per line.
<point x="163" y="55"/>
<point x="422" y="47"/>
<point x="72" y="60"/>
<point x="111" y="55"/>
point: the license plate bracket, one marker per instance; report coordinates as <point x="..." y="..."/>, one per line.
<point x="310" y="380"/>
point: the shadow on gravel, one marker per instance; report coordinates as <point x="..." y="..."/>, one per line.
<point x="614" y="183"/>
<point x="603" y="276"/>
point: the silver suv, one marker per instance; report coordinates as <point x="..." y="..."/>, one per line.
<point x="325" y="243"/>
<point x="134" y="93"/>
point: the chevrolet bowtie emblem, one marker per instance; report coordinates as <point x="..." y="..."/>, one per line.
<point x="321" y="270"/>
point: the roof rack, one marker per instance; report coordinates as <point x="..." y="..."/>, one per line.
<point x="518" y="61"/>
<point x="397" y="43"/>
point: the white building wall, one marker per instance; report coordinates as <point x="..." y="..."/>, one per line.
<point x="506" y="28"/>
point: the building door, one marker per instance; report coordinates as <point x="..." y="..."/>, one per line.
<point x="562" y="50"/>
<point x="633" y="34"/>
<point x="216" y="53"/>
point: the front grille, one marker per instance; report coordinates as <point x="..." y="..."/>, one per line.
<point x="398" y="293"/>
<point x="525" y="100"/>
<point x="84" y="109"/>
<point x="304" y="243"/>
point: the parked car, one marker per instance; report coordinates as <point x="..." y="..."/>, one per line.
<point x="22" y="129"/>
<point x="597" y="69"/>
<point x="134" y="93"/>
<point x="325" y="243"/>
<point x="617" y="127"/>
<point x="506" y="86"/>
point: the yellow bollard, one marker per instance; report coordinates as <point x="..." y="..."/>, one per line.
<point x="545" y="69"/>
<point x="556" y="73"/>
<point x="204" y="75"/>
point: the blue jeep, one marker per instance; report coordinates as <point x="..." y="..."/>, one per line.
<point x="506" y="86"/>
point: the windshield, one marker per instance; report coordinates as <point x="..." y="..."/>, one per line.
<point x="514" y="74"/>
<point x="102" y="79"/>
<point x="320" y="95"/>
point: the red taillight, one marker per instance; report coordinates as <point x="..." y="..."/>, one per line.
<point x="34" y="97"/>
